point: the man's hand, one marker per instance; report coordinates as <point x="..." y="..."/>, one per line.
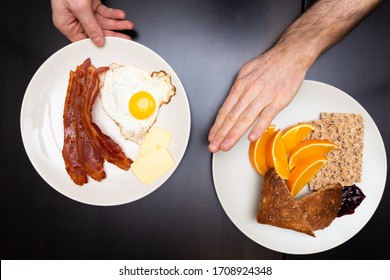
<point x="267" y="84"/>
<point x="79" y="19"/>
<point x="264" y="86"/>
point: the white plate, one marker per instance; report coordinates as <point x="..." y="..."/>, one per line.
<point x="238" y="186"/>
<point x="42" y="125"/>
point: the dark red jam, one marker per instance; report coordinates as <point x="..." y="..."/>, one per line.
<point x="352" y="197"/>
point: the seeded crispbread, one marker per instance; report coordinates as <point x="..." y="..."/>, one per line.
<point x="344" y="165"/>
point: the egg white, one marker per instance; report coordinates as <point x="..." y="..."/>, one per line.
<point x="120" y="84"/>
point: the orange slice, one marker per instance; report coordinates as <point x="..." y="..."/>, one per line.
<point x="257" y="151"/>
<point x="293" y="135"/>
<point x="308" y="148"/>
<point x="276" y="156"/>
<point x="304" y="172"/>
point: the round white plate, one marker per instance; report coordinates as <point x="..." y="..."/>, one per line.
<point x="41" y="121"/>
<point x="238" y="186"/>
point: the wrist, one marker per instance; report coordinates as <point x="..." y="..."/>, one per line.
<point x="295" y="54"/>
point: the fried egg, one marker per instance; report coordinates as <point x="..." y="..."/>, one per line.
<point x="132" y="98"/>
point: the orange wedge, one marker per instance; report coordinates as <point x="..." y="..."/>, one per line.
<point x="293" y="135"/>
<point x="257" y="151"/>
<point x="276" y="156"/>
<point x="304" y="172"/>
<point x="309" y="148"/>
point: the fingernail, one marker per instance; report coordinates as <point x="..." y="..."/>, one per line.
<point x="211" y="135"/>
<point x="252" y="137"/>
<point x="213" y="148"/>
<point x="226" y="145"/>
<point x="98" y="41"/>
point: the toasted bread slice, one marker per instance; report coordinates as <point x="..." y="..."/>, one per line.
<point x="320" y="207"/>
<point x="277" y="206"/>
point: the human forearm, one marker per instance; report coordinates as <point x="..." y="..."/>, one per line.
<point x="267" y="84"/>
<point x="321" y="26"/>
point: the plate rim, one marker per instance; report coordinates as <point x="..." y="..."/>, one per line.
<point x="307" y="252"/>
<point x="88" y="42"/>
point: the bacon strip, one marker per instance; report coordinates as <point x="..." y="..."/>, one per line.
<point x="73" y="163"/>
<point x="107" y="147"/>
<point x="92" y="160"/>
<point x="85" y="145"/>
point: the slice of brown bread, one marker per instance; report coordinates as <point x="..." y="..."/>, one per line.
<point x="277" y="207"/>
<point x="320" y="207"/>
<point x="344" y="165"/>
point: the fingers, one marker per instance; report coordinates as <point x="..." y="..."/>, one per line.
<point x="74" y="37"/>
<point x="113" y="19"/>
<point x="239" y="110"/>
<point x="98" y="21"/>
<point x="107" y="12"/>
<point x="233" y="128"/>
<point x="114" y="24"/>
<point x="229" y="103"/>
<point x="262" y="103"/>
<point x="244" y="121"/>
<point x="109" y="33"/>
<point x="86" y="16"/>
<point x="264" y="120"/>
<point x="224" y="120"/>
<point x="237" y="114"/>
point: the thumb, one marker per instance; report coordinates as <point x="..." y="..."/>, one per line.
<point x="91" y="27"/>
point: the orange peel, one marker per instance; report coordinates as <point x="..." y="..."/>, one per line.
<point x="309" y="148"/>
<point x="257" y="151"/>
<point x="276" y="156"/>
<point x="304" y="172"/>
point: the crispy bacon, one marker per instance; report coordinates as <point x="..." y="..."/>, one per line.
<point x="85" y="145"/>
<point x="107" y="147"/>
<point x="73" y="163"/>
<point x="92" y="160"/>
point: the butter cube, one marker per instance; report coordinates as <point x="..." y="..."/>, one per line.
<point x="153" y="164"/>
<point x="156" y="137"/>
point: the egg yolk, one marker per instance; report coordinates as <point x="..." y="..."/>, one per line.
<point x="142" y="105"/>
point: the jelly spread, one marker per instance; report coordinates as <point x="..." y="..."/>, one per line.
<point x="352" y="197"/>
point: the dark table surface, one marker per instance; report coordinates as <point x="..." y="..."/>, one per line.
<point x="205" y="42"/>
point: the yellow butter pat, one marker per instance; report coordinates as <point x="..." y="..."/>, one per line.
<point x="153" y="164"/>
<point x="156" y="137"/>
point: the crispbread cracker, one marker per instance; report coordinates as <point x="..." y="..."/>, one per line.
<point x="344" y="164"/>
